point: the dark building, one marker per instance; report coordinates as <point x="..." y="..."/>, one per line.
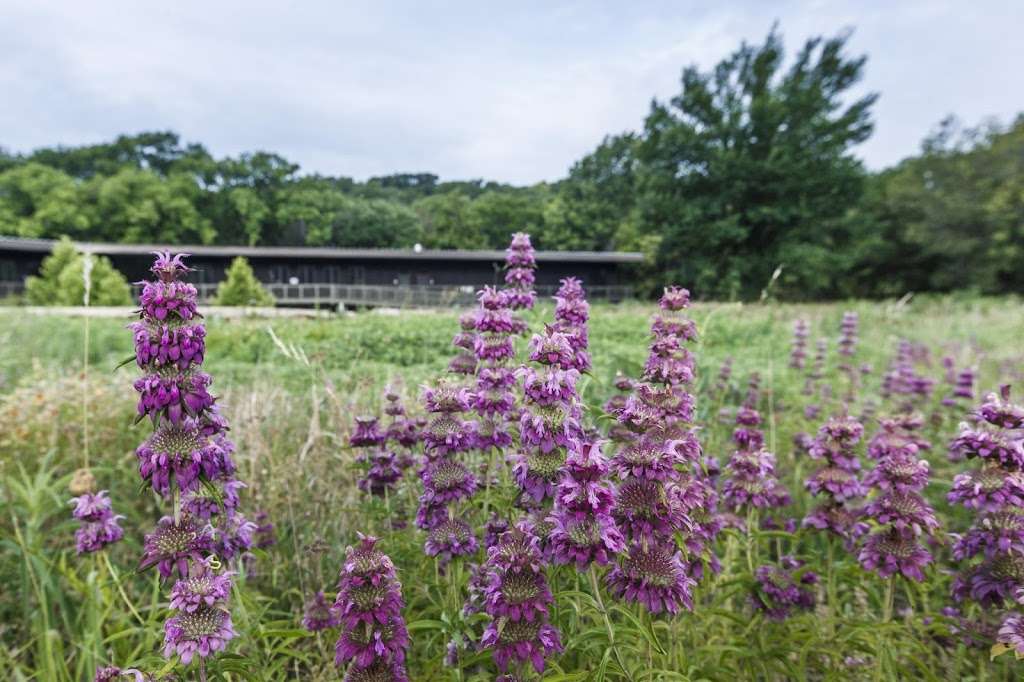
<point x="605" y="274"/>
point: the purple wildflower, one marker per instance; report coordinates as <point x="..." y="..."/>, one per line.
<point x="752" y="482"/>
<point x="172" y="545"/>
<point x="520" y="264"/>
<point x="1011" y="633"/>
<point x="891" y="551"/>
<point x="836" y="480"/>
<point x="450" y="538"/>
<point x="203" y="587"/>
<point x="653" y="576"/>
<point x="99" y="525"/>
<point x="319" y="615"/>
<point x="779" y="589"/>
<point x="517" y="599"/>
<point x="369" y="604"/>
<point x="798" y="354"/>
<point x="584" y="530"/>
<point x="997" y="534"/>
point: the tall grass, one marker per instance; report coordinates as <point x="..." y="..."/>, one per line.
<point x="61" y="615"/>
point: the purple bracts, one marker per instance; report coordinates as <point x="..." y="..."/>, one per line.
<point x="319" y="615"/>
<point x="517" y="599"/>
<point x="187" y="457"/>
<point x="780" y="589"/>
<point x="995" y="542"/>
<point x="99" y="525"/>
<point x="202" y="624"/>
<point x="369" y="604"/>
<point x="657" y="498"/>
<point x="836" y="480"/>
<point x="584" y="530"/>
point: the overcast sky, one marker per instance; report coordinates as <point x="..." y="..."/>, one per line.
<point x="506" y="91"/>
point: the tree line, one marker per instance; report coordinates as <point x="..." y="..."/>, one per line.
<point x="744" y="183"/>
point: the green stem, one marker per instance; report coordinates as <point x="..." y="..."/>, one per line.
<point x="883" y="652"/>
<point x="607" y="622"/>
<point x="120" y="588"/>
<point x="85" y="392"/>
<point x="889" y="598"/>
<point x="751" y="545"/>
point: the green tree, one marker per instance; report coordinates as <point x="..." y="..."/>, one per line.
<point x="325" y="216"/>
<point x="750" y="167"/>
<point x="590" y="208"/>
<point x="61" y="280"/>
<point x="446" y="222"/>
<point x="39" y="201"/>
<point x="496" y="215"/>
<point x="138" y="206"/>
<point x="949" y="218"/>
<point x="241" y="288"/>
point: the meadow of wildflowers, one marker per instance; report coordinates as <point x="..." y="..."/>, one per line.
<point x="527" y="490"/>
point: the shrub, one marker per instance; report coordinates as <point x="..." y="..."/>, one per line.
<point x="61" y="281"/>
<point x="241" y="287"/>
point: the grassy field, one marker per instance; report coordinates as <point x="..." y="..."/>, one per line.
<point x="291" y="403"/>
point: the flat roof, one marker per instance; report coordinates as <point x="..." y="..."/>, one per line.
<point x="327" y="252"/>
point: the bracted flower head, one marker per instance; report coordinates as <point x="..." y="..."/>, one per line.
<point x="159" y="344"/>
<point x="177" y="454"/>
<point x="367" y="433"/>
<point x="537" y="471"/>
<point x="989" y="489"/>
<point x="900" y="472"/>
<point x="452" y="537"/>
<point x="367" y="644"/>
<point x="890" y="551"/>
<point x="173" y="395"/>
<point x="778" y="590"/>
<point x="202" y="631"/>
<point x="92" y="507"/>
<point x="171" y="546"/>
<point x="1011" y="633"/>
<point x="446" y="480"/>
<point x="582" y="537"/>
<point x="518" y="594"/>
<point x="653" y="576"/>
<point x="319" y="614"/>
<point x="202" y="587"/>
<point x="92" y="536"/>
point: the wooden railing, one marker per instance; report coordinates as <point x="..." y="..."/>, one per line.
<point x="374" y="296"/>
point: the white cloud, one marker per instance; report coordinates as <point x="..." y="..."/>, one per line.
<point x="466" y="89"/>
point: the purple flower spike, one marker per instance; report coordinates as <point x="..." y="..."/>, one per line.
<point x="374" y="638"/>
<point x="517" y="599"/>
<point x="99" y="525"/>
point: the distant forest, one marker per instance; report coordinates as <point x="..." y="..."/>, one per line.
<point x="747" y="174"/>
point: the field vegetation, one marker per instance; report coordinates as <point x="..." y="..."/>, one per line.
<point x="291" y="390"/>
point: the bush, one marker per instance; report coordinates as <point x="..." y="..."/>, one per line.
<point x="241" y="287"/>
<point x="61" y="280"/>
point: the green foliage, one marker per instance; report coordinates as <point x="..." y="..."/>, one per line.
<point x="40" y="201"/>
<point x="240" y="287"/>
<point x="61" y="280"/>
<point x="950" y="218"/>
<point x="748" y="169"/>
<point x="65" y="614"/>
